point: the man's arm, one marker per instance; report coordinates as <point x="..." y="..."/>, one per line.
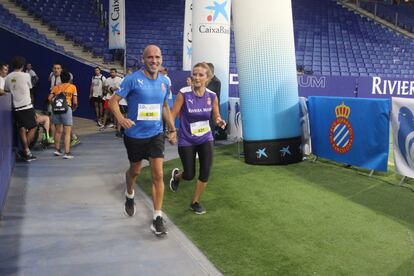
<point x="114" y="107"/>
<point x="166" y="114"/>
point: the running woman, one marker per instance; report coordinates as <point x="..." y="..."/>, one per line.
<point x="146" y="92"/>
<point x="196" y="105"/>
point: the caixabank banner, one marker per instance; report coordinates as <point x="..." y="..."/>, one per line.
<point x="353" y="131"/>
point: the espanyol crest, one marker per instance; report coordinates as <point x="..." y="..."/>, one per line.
<point x="341" y="134"/>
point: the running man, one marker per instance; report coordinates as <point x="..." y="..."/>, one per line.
<point x="195" y="105"/>
<point x="146" y="91"/>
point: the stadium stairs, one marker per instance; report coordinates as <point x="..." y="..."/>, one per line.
<point x="69" y="48"/>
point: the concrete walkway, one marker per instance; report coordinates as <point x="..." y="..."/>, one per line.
<point x="65" y="217"/>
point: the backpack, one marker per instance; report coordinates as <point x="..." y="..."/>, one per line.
<point x="60" y="104"/>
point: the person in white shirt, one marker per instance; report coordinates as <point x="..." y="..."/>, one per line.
<point x="4" y="70"/>
<point x="110" y="86"/>
<point x="34" y="78"/>
<point x="19" y="84"/>
<point x="54" y="76"/>
<point x="96" y="94"/>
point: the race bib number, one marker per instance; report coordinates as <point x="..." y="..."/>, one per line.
<point x="200" y="128"/>
<point x="149" y="112"/>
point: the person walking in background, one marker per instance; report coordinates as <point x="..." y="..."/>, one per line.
<point x="195" y="105"/>
<point x="19" y="84"/>
<point x="111" y="85"/>
<point x="214" y="84"/>
<point x="35" y="79"/>
<point x="146" y="91"/>
<point x="4" y="70"/>
<point x="63" y="120"/>
<point x="96" y="94"/>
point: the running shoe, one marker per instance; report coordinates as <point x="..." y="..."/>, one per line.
<point x="110" y="125"/>
<point x="130" y="208"/>
<point x="58" y="152"/>
<point x="158" y="226"/>
<point x="68" y="155"/>
<point x="74" y="142"/>
<point x="29" y="157"/>
<point x="99" y="123"/>
<point x="174" y="182"/>
<point x="50" y="140"/>
<point x="197" y="208"/>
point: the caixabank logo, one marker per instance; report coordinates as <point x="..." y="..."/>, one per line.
<point x="217" y="18"/>
<point x="341" y="133"/>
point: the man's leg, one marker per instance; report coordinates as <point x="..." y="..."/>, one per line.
<point x="157" y="225"/>
<point x="23" y="138"/>
<point x="101" y="109"/>
<point x="157" y="182"/>
<point x="96" y="110"/>
<point x="131" y="177"/>
<point x="66" y="141"/>
<point x="30" y="135"/>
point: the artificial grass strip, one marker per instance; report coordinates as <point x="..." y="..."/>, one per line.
<point x="306" y="218"/>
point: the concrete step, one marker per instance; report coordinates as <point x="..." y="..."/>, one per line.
<point x="68" y="45"/>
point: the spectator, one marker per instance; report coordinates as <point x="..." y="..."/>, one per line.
<point x="189" y="81"/>
<point x="44" y="120"/>
<point x="214" y="84"/>
<point x="64" y="121"/>
<point x="54" y="76"/>
<point x="111" y="85"/>
<point x="4" y="70"/>
<point x="300" y="70"/>
<point x="35" y="79"/>
<point x="96" y="94"/>
<point x="19" y="84"/>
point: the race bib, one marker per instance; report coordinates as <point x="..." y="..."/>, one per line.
<point x="149" y="112"/>
<point x="200" y="128"/>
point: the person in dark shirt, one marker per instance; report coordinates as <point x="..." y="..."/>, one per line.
<point x="214" y="84"/>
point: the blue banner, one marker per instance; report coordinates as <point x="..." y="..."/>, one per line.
<point x="354" y="131"/>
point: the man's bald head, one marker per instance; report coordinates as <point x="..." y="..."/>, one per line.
<point x="150" y="49"/>
<point x="152" y="60"/>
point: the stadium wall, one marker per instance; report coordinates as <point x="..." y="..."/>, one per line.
<point x="6" y="146"/>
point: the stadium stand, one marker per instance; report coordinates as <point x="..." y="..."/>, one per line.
<point x="401" y="14"/>
<point x="78" y="20"/>
<point x="329" y="38"/>
<point x="11" y="22"/>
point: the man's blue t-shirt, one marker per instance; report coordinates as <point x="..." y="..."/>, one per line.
<point x="145" y="100"/>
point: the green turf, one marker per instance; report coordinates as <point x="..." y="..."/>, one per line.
<point x="303" y="219"/>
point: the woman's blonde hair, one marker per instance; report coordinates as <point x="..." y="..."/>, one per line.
<point x="208" y="70"/>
